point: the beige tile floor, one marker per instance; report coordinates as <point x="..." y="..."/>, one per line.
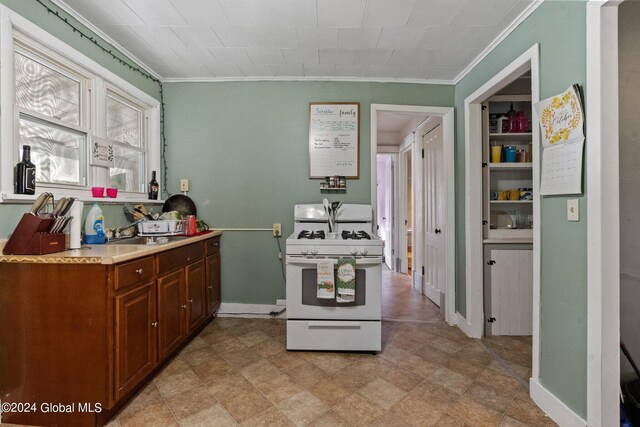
<point x="238" y="372"/>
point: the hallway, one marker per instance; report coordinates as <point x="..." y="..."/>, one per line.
<point x="238" y="371"/>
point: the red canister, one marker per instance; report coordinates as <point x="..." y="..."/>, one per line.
<point x="191" y="225"/>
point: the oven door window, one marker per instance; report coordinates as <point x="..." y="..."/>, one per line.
<point x="310" y="289"/>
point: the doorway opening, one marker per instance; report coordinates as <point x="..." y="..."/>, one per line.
<point x="398" y="138"/>
<point x="503" y="208"/>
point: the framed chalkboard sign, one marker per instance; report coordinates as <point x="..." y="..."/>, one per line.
<point x="334" y="139"/>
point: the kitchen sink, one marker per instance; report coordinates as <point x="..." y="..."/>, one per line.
<point x="140" y="240"/>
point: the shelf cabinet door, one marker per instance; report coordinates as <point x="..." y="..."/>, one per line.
<point x="196" y="294"/>
<point x="172" y="307"/>
<point x="214" y="294"/>
<point x="135" y="339"/>
<point x="512" y="292"/>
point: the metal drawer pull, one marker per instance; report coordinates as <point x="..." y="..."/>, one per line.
<point x="188" y="258"/>
<point x="184" y="306"/>
<point x="341" y="325"/>
<point x="139" y="271"/>
<point x="210" y="287"/>
<point x="154" y="324"/>
<point x="190" y="301"/>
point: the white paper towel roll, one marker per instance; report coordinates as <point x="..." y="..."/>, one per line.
<point x="75" y="239"/>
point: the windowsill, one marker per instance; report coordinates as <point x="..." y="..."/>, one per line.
<point x="30" y="198"/>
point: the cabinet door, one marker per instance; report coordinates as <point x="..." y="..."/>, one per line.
<point x="172" y="307"/>
<point x="512" y="292"/>
<point x="213" y="283"/>
<point x="196" y="294"/>
<point x="135" y="337"/>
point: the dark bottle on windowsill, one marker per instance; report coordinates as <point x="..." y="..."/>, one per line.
<point x="153" y="187"/>
<point x="26" y="173"/>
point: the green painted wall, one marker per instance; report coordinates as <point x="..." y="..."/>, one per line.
<point x="244" y="146"/>
<point x="560" y="29"/>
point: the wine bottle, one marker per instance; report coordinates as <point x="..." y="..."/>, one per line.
<point x="26" y="173"/>
<point x="153" y="187"/>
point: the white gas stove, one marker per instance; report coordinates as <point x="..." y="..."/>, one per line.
<point x="315" y="323"/>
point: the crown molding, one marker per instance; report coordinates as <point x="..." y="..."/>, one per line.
<point x="303" y="79"/>
<point x="503" y="35"/>
<point x="84" y="21"/>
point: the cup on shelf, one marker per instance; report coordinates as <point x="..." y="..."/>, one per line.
<point x="521" y="156"/>
<point x="526" y="194"/>
<point x="510" y="154"/>
<point x="496" y="153"/>
<point x="493" y="195"/>
<point x="503" y="195"/>
<point x="514" y="194"/>
<point x="112" y="192"/>
<point x="97" y="191"/>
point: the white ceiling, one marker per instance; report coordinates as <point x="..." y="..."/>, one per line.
<point x="404" y="40"/>
<point x="394" y="126"/>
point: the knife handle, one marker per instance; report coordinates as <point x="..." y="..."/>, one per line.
<point x="39" y="203"/>
<point x="59" y="206"/>
<point x="67" y="206"/>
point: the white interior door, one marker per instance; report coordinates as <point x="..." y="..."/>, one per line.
<point x="387" y="219"/>
<point x="434" y="283"/>
<point x="404" y="193"/>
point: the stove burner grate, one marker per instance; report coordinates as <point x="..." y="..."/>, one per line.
<point x="306" y="234"/>
<point x="355" y="235"/>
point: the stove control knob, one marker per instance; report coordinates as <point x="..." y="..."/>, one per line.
<point x="353" y="251"/>
<point x="363" y="251"/>
<point x="304" y="250"/>
<point x="314" y="251"/>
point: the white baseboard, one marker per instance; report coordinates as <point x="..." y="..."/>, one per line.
<point x="553" y="407"/>
<point x="230" y="308"/>
<point x="465" y="326"/>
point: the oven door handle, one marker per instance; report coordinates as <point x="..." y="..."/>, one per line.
<point x="314" y="261"/>
<point x="334" y="324"/>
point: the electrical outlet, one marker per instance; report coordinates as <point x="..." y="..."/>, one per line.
<point x="573" y="210"/>
<point x="184" y="185"/>
<point x="277" y="230"/>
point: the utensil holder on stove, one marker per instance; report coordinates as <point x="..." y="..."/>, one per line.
<point x="32" y="237"/>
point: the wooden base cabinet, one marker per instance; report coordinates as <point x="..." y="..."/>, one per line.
<point x="171" y="312"/>
<point x="136" y="327"/>
<point x="92" y="334"/>
<point x="196" y="294"/>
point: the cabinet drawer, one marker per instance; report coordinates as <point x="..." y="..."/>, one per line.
<point x="134" y="271"/>
<point x="179" y="257"/>
<point x="213" y="245"/>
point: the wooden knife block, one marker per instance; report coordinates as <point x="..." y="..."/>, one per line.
<point x="32" y="237"/>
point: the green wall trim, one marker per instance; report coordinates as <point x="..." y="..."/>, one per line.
<point x="560" y="29"/>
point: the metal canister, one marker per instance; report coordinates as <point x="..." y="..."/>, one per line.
<point x="191" y="225"/>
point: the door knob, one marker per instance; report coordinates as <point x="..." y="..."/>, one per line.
<point x="438" y="231"/>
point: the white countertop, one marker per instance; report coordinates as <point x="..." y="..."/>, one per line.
<point x="104" y="254"/>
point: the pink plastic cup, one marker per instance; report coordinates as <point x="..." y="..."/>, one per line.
<point x="112" y="192"/>
<point x="97" y="191"/>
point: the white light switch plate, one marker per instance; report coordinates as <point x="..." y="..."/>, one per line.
<point x="573" y="210"/>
